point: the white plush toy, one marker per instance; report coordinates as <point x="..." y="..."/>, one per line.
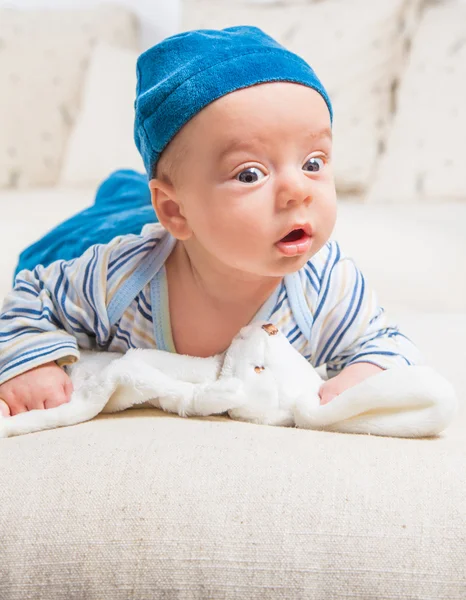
<point x="261" y="378"/>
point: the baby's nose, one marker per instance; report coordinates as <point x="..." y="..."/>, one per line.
<point x="294" y="191"/>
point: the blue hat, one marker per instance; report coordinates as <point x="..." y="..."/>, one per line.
<point x="182" y="74"/>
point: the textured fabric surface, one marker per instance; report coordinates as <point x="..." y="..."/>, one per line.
<point x="102" y="139"/>
<point x="43" y="60"/>
<point x="427" y="142"/>
<point x="146" y="505"/>
<point x="357" y="48"/>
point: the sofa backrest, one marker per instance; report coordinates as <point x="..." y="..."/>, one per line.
<point x="44" y="56"/>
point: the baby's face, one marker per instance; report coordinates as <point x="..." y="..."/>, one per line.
<point x="256" y="184"/>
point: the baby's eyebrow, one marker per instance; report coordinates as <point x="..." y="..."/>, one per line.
<point x="234" y="145"/>
<point x="321" y="133"/>
<point x="237" y="144"/>
<point x="327" y="132"/>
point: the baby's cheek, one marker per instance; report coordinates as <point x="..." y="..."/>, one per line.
<point x="233" y="220"/>
<point x="327" y="208"/>
<point x="242" y="224"/>
<point x="237" y="242"/>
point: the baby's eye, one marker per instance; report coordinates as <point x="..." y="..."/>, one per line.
<point x="315" y="164"/>
<point x="249" y="175"/>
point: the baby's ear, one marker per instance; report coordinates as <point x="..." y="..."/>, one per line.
<point x="168" y="210"/>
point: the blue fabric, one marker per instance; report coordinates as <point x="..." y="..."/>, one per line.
<point x="182" y="74"/>
<point x="144" y="273"/>
<point x="122" y="205"/>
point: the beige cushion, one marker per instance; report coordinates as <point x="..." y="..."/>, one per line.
<point x="102" y="139"/>
<point x="27" y="215"/>
<point x="412" y="257"/>
<point x="148" y="505"/>
<point x="426" y="148"/>
<point x="357" y="50"/>
<point x="43" y="60"/>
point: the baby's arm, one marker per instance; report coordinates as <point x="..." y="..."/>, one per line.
<point x="49" y="314"/>
<point x="354" y="337"/>
<point x="349" y="377"/>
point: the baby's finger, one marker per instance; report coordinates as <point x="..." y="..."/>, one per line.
<point x="68" y="389"/>
<point x="327" y="397"/>
<point x="16" y="409"/>
<point x="323" y="390"/>
<point x="56" y="398"/>
<point x="4" y="408"/>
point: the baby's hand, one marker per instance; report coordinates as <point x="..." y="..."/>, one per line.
<point x="347" y="378"/>
<point x="45" y="386"/>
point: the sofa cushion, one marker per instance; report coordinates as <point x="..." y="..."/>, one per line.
<point x="357" y="49"/>
<point x="143" y="504"/>
<point x="424" y="158"/>
<point x="43" y="60"/>
<point x="408" y="254"/>
<point x="102" y="140"/>
<point x="27" y="215"/>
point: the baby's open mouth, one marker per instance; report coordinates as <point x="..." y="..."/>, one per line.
<point x="294" y="235"/>
<point x="297" y="241"/>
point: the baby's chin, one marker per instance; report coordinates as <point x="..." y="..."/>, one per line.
<point x="280" y="268"/>
<point x="290" y="265"/>
<point x="285" y="265"/>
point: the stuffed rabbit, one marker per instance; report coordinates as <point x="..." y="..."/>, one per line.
<point x="261" y="378"/>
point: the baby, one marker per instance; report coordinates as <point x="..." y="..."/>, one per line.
<point x="235" y="134"/>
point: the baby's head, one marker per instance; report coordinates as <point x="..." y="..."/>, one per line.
<point x="235" y="134"/>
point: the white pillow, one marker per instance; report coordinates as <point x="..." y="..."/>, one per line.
<point x="356" y="48"/>
<point x="426" y="149"/>
<point x="102" y="139"/>
<point x="43" y="61"/>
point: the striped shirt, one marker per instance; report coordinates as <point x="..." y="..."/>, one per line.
<point x="54" y="311"/>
